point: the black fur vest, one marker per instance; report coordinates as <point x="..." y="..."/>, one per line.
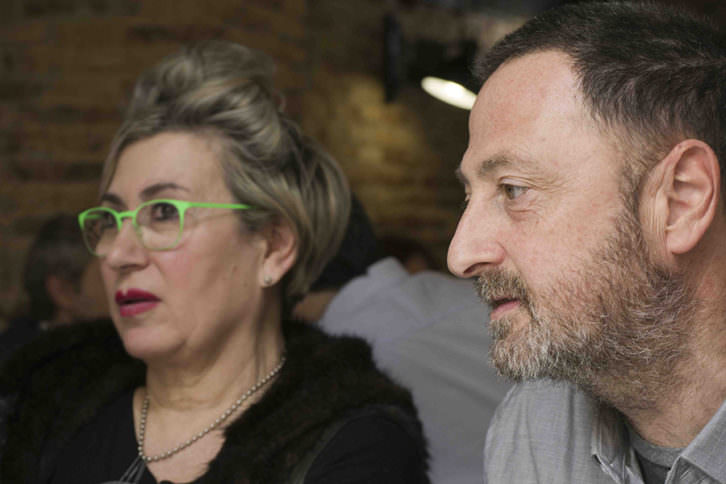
<point x="54" y="386"/>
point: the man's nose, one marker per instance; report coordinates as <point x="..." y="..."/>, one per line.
<point x="474" y="247"/>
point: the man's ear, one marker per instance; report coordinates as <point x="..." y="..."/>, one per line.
<point x="62" y="292"/>
<point x="688" y="194"/>
<point x="280" y="252"/>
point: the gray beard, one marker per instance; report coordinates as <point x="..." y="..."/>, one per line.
<point x="617" y="327"/>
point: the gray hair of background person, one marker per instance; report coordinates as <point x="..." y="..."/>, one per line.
<point x="650" y="75"/>
<point x="224" y="91"/>
<point x="57" y="250"/>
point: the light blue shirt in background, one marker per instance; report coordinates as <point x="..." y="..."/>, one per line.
<point x="429" y="331"/>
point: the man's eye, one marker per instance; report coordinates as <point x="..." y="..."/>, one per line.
<point x="513" y="191"/>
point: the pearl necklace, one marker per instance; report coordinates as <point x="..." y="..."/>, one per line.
<point x="210" y="427"/>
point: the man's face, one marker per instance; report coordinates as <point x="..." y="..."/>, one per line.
<point x="546" y="231"/>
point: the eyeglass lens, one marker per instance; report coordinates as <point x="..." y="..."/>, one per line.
<point x="158" y="226"/>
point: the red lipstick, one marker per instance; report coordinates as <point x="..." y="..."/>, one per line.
<point x="135" y="301"/>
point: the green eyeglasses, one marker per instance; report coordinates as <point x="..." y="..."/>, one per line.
<point x="158" y="223"/>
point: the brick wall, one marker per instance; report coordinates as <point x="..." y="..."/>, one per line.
<point x="66" y="67"/>
<point x="400" y="157"/>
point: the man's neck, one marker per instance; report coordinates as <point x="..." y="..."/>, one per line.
<point x="697" y="392"/>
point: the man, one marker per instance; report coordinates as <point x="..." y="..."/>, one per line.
<point x="427" y="330"/>
<point x="62" y="282"/>
<point x="595" y="228"/>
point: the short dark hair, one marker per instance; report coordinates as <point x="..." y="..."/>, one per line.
<point x="405" y="248"/>
<point x="650" y="74"/>
<point x="57" y="250"/>
<point x="359" y="250"/>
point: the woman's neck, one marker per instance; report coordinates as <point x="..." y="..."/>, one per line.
<point x="213" y="379"/>
<point x="184" y="400"/>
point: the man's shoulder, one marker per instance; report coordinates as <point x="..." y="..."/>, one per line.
<point x="529" y="401"/>
<point x="541" y="432"/>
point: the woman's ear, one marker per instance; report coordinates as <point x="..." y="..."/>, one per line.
<point x="280" y="252"/>
<point x="688" y="188"/>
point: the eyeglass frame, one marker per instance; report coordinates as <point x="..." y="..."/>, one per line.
<point x="181" y="205"/>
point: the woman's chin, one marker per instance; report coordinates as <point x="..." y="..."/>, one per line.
<point x="148" y="344"/>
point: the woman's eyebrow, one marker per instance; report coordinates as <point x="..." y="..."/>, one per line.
<point x="151" y="191"/>
<point x="113" y="199"/>
<point x="147" y="193"/>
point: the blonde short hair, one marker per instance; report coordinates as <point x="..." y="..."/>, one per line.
<point x="224" y="90"/>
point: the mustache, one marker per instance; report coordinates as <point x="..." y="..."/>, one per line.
<point x="500" y="285"/>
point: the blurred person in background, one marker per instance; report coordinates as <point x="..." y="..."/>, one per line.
<point x="216" y="214"/>
<point x="410" y="253"/>
<point x="427" y="330"/>
<point x="62" y="282"/>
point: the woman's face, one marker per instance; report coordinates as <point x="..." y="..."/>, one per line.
<point x="185" y="302"/>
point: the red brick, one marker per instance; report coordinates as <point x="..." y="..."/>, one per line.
<point x="26" y="32"/>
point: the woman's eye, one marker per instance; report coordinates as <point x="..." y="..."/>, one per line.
<point x="104" y="221"/>
<point x="513" y="191"/>
<point x="164" y="211"/>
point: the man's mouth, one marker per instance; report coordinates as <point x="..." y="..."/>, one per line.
<point x="135" y="301"/>
<point x="496" y="303"/>
<point x="501" y="305"/>
<point x="502" y="292"/>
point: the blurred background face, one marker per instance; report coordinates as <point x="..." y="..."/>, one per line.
<point x="92" y="300"/>
<point x="192" y="299"/>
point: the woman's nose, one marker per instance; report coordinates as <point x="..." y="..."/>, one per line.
<point x="126" y="249"/>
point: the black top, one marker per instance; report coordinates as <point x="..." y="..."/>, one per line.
<point x="20" y="332"/>
<point x="369" y="449"/>
<point x="331" y="415"/>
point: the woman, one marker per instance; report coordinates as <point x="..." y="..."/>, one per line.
<point x="215" y="217"/>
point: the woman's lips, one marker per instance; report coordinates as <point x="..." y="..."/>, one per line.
<point x="502" y="306"/>
<point x="135" y="301"/>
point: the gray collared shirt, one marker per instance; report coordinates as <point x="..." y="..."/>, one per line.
<point x="548" y="432"/>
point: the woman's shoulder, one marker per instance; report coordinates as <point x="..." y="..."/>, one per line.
<point x="93" y="343"/>
<point x="55" y="385"/>
<point x="329" y="391"/>
<point x="341" y="367"/>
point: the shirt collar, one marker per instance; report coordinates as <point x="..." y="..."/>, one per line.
<point x="610" y="446"/>
<point x="708" y="449"/>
